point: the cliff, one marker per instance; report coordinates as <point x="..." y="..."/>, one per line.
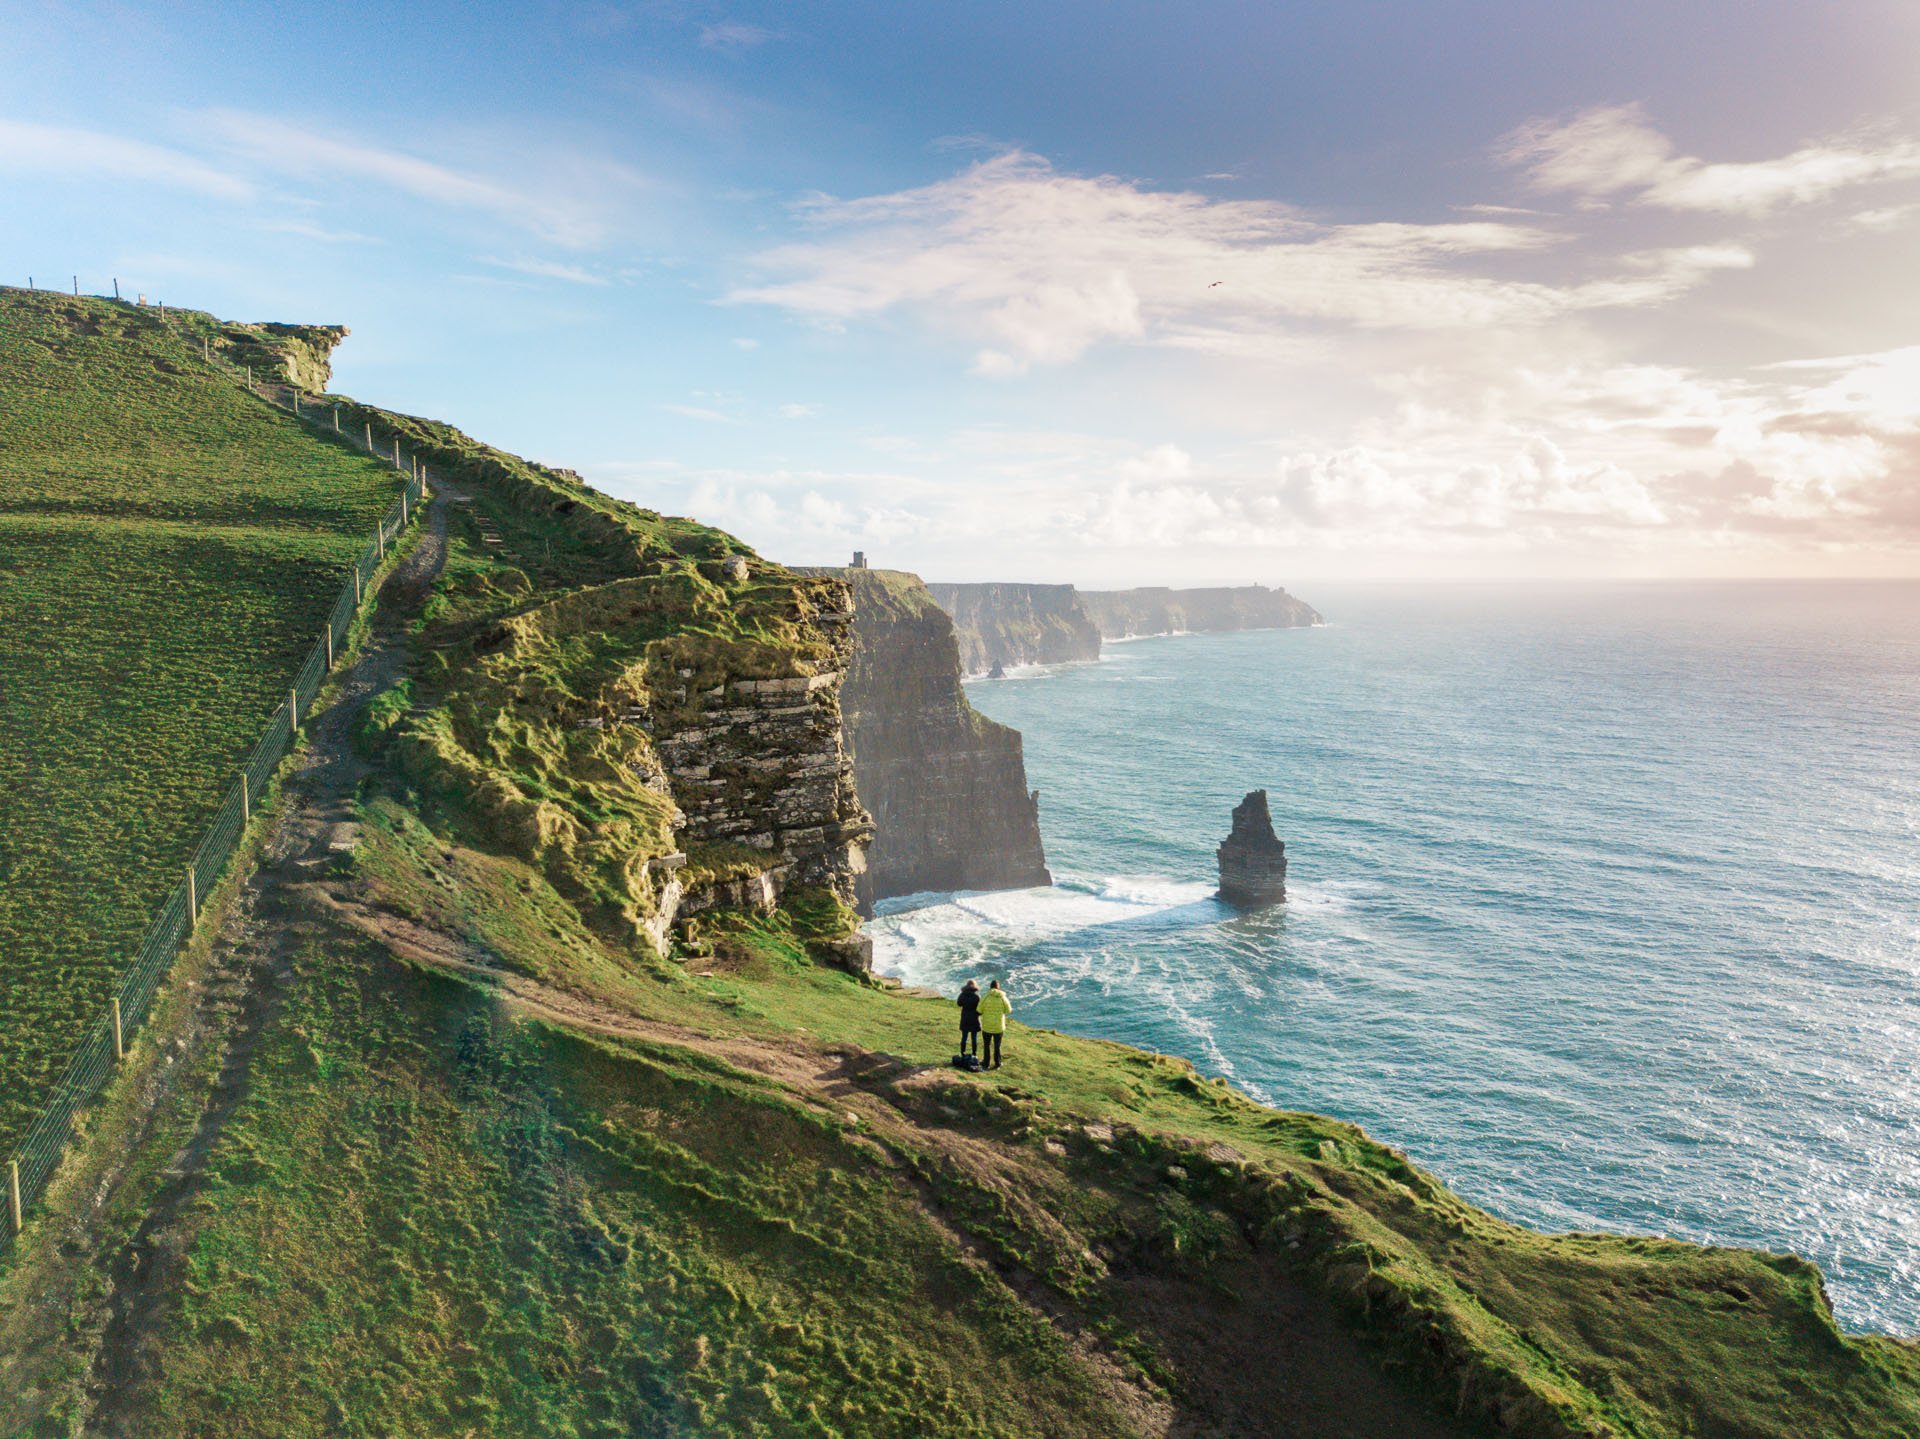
<point x="633" y="704"/>
<point x="947" y="787"/>
<point x="1005" y="624"/>
<point x="427" y="1135"/>
<point x="1156" y="610"/>
<point x="1014" y="624"/>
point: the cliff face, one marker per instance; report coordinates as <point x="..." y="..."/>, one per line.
<point x="1017" y="625"/>
<point x="1007" y="624"/>
<point x="1156" y="610"/>
<point x="946" y="786"/>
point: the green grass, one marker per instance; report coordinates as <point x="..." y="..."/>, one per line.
<point x="169" y="548"/>
<point x="1647" y="1336"/>
<point x="441" y="1220"/>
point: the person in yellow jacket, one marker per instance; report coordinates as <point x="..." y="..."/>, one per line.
<point x="994" y="1010"/>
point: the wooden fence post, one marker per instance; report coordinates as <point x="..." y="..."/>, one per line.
<point x="329" y="633"/>
<point x="116" y="287"/>
<point x="193" y="898"/>
<point x="369" y="436"/>
<point x="13" y="1186"/>
<point x="293" y="713"/>
<point x="119" y="1040"/>
<point x="336" y="419"/>
<point x="206" y="350"/>
<point x="246" y="800"/>
<point x="356" y="584"/>
<point x="403" y="509"/>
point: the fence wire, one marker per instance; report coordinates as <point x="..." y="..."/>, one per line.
<point x="93" y="1062"/>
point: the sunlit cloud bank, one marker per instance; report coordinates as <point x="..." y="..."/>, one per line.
<point x="1638" y="458"/>
<point x="1510" y="398"/>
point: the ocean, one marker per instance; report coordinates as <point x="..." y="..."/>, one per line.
<point x="1603" y="901"/>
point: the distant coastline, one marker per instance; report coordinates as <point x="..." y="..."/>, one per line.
<point x="1005" y="626"/>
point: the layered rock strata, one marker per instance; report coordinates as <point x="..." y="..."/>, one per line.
<point x="996" y="625"/>
<point x="1253" y="861"/>
<point x="763" y="766"/>
<point x="947" y="787"/>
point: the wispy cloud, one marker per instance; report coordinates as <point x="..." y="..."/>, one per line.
<point x="1044" y="265"/>
<point x="548" y="270"/>
<point x="798" y="411"/>
<point x="308" y="231"/>
<point x="45" y="151"/>
<point x="565" y="205"/>
<point x="701" y="412"/>
<point x="733" y="36"/>
<point x="1616" y="151"/>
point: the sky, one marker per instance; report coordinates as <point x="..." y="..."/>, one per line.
<point x="1111" y="293"/>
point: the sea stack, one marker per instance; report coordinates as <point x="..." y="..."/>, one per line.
<point x="1253" y="861"/>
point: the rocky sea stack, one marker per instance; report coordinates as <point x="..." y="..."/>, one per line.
<point x="1253" y="861"/>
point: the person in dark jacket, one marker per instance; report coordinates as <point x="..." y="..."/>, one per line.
<point x="970" y="1018"/>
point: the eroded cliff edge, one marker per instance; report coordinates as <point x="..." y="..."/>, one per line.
<point x="1016" y="624"/>
<point x="947" y="787"/>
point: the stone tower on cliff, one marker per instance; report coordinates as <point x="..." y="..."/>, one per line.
<point x="1253" y="861"/>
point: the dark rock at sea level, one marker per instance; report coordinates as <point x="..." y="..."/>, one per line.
<point x="1253" y="861"/>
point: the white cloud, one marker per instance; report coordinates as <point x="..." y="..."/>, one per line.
<point x="1886" y="219"/>
<point x="53" y="151"/>
<point x="798" y="411"/>
<point x="1615" y="150"/>
<point x="1038" y="267"/>
<point x="744" y="343"/>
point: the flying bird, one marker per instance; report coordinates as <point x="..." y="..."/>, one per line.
<point x="1216" y="284"/>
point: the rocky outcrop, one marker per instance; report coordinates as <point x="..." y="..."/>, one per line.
<point x="1156" y="610"/>
<point x="996" y="625"/>
<point x="947" y="787"/>
<point x="1253" y="861"/>
<point x="1000" y="625"/>
<point x="763" y="767"/>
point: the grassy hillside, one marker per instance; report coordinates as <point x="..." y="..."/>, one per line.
<point x="169" y="547"/>
<point x="428" y="1142"/>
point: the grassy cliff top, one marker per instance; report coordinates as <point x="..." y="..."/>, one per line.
<point x="170" y="546"/>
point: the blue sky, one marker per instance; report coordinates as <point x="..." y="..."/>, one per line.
<point x="1107" y="293"/>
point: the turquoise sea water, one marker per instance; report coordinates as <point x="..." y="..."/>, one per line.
<point x="1604" y="903"/>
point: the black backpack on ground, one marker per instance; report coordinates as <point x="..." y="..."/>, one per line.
<point x="968" y="1062"/>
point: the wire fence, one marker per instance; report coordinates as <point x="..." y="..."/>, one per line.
<point x="104" y="1044"/>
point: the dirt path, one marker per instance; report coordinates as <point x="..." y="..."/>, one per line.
<point x="247" y="974"/>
